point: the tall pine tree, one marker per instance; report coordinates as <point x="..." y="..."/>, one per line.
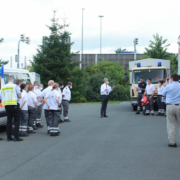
<point x="2" y="62"/>
<point x="54" y="57"/>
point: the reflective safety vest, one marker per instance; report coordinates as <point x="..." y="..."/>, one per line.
<point x="9" y="95"/>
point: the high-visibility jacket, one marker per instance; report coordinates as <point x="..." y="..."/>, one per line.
<point x="9" y="95"/>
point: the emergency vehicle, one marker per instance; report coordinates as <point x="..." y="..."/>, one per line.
<point x="156" y="69"/>
<point x="24" y="75"/>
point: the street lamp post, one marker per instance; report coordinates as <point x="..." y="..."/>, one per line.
<point x="81" y="42"/>
<point x="27" y="40"/>
<point x="100" y="31"/>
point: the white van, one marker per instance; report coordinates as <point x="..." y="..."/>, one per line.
<point x="16" y="74"/>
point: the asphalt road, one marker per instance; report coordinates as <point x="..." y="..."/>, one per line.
<point x="124" y="146"/>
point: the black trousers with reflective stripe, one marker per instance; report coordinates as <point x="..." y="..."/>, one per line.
<point x="13" y="111"/>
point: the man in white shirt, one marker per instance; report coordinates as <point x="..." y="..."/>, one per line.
<point x="61" y="85"/>
<point x="105" y="90"/>
<point x="39" y="103"/>
<point x="66" y="97"/>
<point x="149" y="92"/>
<point x="44" y="94"/>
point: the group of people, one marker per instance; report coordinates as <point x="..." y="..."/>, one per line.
<point x="24" y="102"/>
<point x="167" y="96"/>
<point x="148" y="90"/>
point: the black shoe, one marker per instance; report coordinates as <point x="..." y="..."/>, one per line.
<point x="152" y="114"/>
<point x="137" y="112"/>
<point x="10" y="139"/>
<point x="105" y="116"/>
<point x="51" y="134"/>
<point x="39" y="125"/>
<point x="172" y="145"/>
<point x="35" y="128"/>
<point x="67" y="120"/>
<point x="61" y="121"/>
<point x="162" y="114"/>
<point x="158" y="114"/>
<point x="17" y="139"/>
<point x="1" y="139"/>
<point x="24" y="134"/>
<point x="147" y="114"/>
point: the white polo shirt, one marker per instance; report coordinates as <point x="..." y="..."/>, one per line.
<point x="149" y="89"/>
<point x="51" y="99"/>
<point x="44" y="94"/>
<point x="31" y="99"/>
<point x="24" y="98"/>
<point x="37" y="93"/>
<point x="103" y="90"/>
<point x="66" y="93"/>
<point x="160" y="90"/>
<point x="60" y="93"/>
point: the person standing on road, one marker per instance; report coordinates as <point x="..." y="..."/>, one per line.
<point x="105" y="90"/>
<point x="159" y="98"/>
<point x="32" y="108"/>
<point x="43" y="95"/>
<point x="61" y="85"/>
<point x="10" y="94"/>
<point x="172" y="93"/>
<point x="150" y="90"/>
<point x="24" y="112"/>
<point x="52" y="100"/>
<point x="142" y="86"/>
<point x="39" y="103"/>
<point x="65" y="101"/>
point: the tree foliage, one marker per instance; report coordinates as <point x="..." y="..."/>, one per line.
<point x="158" y="48"/>
<point x="119" y="49"/>
<point x="174" y="64"/>
<point x="3" y="62"/>
<point x="54" y="59"/>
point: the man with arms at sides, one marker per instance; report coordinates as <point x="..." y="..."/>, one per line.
<point x="105" y="90"/>
<point x="149" y="92"/>
<point x="43" y="95"/>
<point x="142" y="86"/>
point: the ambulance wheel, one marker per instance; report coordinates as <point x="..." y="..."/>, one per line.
<point x="134" y="108"/>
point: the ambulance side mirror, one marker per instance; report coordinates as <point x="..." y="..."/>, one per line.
<point x="125" y="76"/>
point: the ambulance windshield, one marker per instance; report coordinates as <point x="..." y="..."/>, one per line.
<point x="154" y="74"/>
<point x="15" y="75"/>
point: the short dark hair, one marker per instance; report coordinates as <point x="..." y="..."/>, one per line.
<point x="18" y="81"/>
<point x="69" y="83"/>
<point x="141" y="77"/>
<point x="60" y="83"/>
<point x="22" y="86"/>
<point x="175" y="77"/>
<point x="149" y="79"/>
<point x="179" y="77"/>
<point x="161" y="81"/>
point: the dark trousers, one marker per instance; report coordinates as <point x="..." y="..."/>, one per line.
<point x="140" y="96"/>
<point x="32" y="117"/>
<point x="104" y="104"/>
<point x="13" y="111"/>
<point x="54" y="118"/>
<point x="46" y="112"/>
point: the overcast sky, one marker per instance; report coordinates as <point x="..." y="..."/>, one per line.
<point x="122" y="22"/>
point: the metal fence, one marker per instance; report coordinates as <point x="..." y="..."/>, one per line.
<point x="122" y="59"/>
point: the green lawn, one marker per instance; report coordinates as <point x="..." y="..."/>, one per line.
<point x="109" y="102"/>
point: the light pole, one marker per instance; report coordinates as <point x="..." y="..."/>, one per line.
<point x="135" y="43"/>
<point x="27" y="40"/>
<point x="100" y="31"/>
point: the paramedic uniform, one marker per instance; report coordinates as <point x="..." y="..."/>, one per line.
<point x="9" y="100"/>
<point x="39" y="108"/>
<point x="24" y="114"/>
<point x="159" y="99"/>
<point x="54" y="113"/>
<point x="150" y="89"/>
<point x="65" y="102"/>
<point x="60" y="94"/>
<point x="140" y="95"/>
<point x="31" y="99"/>
<point x="105" y="96"/>
<point x="46" y="111"/>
